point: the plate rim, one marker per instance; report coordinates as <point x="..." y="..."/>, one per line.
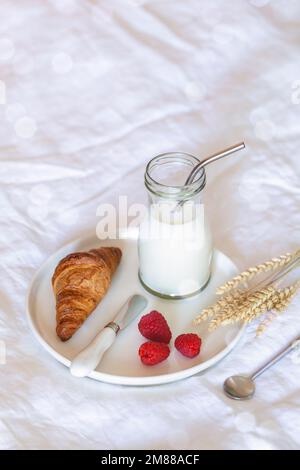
<point x="113" y="378"/>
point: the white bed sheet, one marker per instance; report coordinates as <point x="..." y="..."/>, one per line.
<point x="91" y="90"/>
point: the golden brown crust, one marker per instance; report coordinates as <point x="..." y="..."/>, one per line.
<point x="80" y="282"/>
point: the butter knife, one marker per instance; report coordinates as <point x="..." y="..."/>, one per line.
<point x="88" y="359"/>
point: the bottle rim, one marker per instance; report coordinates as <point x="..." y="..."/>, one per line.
<point x="185" y="191"/>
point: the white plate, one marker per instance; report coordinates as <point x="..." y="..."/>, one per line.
<point x="121" y="364"/>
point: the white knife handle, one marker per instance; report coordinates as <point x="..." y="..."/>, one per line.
<point x="88" y="359"/>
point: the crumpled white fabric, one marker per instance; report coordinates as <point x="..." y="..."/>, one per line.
<point x="89" y="92"/>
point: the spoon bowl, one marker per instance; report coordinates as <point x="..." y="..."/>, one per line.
<point x="239" y="387"/>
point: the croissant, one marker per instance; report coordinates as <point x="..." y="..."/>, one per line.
<point x="80" y="282"/>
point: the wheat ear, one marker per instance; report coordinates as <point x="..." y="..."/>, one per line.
<point x="270" y="316"/>
<point x="233" y="298"/>
<point x="280" y="302"/>
<point x="247" y="275"/>
<point x="248" y="307"/>
<point x="246" y="310"/>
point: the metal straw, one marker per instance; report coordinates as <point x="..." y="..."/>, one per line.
<point x="212" y="158"/>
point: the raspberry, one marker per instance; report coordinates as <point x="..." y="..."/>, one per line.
<point x="188" y="344"/>
<point x="153" y="353"/>
<point x="154" y="327"/>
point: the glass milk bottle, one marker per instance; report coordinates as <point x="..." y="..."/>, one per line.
<point x="175" y="246"/>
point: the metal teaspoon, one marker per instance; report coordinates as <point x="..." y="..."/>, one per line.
<point x="239" y="387"/>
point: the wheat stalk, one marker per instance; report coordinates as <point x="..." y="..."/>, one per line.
<point x="246" y="276"/>
<point x="280" y="302"/>
<point x="233" y="298"/>
<point x="246" y="310"/>
<point x="254" y="305"/>
<point x="247" y="305"/>
<point x="266" y="322"/>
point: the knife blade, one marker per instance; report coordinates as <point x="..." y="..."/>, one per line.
<point x="88" y="359"/>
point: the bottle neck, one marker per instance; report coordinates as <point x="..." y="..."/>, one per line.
<point x="165" y="178"/>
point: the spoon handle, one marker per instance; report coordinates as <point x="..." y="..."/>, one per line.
<point x="212" y="158"/>
<point x="294" y="345"/>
